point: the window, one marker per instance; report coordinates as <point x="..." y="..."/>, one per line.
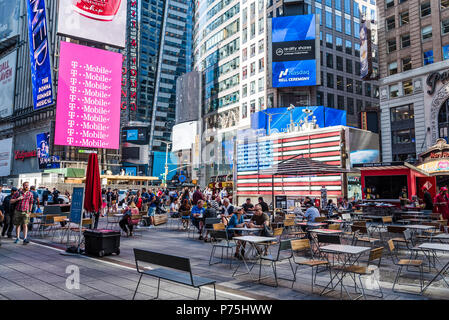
<point x="348" y="6"/>
<point x="428" y="57"/>
<point x="403" y="136"/>
<point x="357" y="49"/>
<point x="339" y="63"/>
<point x="348" y="65"/>
<point x="340" y="84"/>
<point x="406" y="64"/>
<point x="389" y="3"/>
<point x="426" y="33"/>
<point x="356" y="9"/>
<point x="253" y="9"/>
<point x="394" y="91"/>
<point x="391" y="45"/>
<point x="338" y="24"/>
<point x="330" y="100"/>
<point x="391" y="24"/>
<point x="368" y="89"/>
<point x="261" y="64"/>
<point x="252" y="87"/>
<point x="318" y="12"/>
<point x="357" y="30"/>
<point x="252" y="106"/>
<point x="260" y="84"/>
<point x="350" y="106"/>
<point x="329" y="40"/>
<point x="405" y="41"/>
<point x="349" y="83"/>
<point x="260" y="46"/>
<point x="359" y="106"/>
<point x="348" y="27"/>
<point x="357" y="68"/>
<point x="253" y="30"/>
<point x="425" y="9"/>
<point x="403" y="18"/>
<point x="244" y="54"/>
<point x="339" y="44"/>
<point x="329" y="60"/>
<point x="244" y="90"/>
<point x="392" y="68"/>
<point x="261" y="103"/>
<point x="244" y="110"/>
<point x="319" y="98"/>
<point x="244" y="35"/>
<point x="261" y="25"/>
<point x="245" y="16"/>
<point x="444" y="4"/>
<point x="244" y="73"/>
<point x="252" y="50"/>
<point x="407" y="87"/>
<point x="253" y="68"/>
<point x="445" y="26"/>
<point x="348" y="46"/>
<point x="338" y="5"/>
<point x="330" y="80"/>
<point x="329" y="19"/>
<point x="358" y="87"/>
<point x="341" y="102"/>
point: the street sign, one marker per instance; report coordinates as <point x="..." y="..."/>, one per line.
<point x="182" y="178"/>
<point x="76" y="209"/>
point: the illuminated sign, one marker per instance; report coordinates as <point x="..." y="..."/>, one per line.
<point x="22" y="155"/>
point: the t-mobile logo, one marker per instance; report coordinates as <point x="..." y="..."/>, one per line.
<point x="283" y="73"/>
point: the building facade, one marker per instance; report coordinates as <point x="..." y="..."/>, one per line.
<point x="232" y="50"/>
<point x="413" y="50"/>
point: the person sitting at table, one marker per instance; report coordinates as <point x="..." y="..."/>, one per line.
<point x="226" y="211"/>
<point x="248" y="206"/>
<point x="403" y="197"/>
<point x="428" y="203"/>
<point x="331" y="209"/>
<point x="415" y="203"/>
<point x="259" y="219"/>
<point x="184" y="211"/>
<point x="236" y="221"/>
<point x="311" y="212"/>
<point x="263" y="204"/>
<point x="126" y="223"/>
<point x="174" y="208"/>
<point x="197" y="217"/>
<point x="346" y="205"/>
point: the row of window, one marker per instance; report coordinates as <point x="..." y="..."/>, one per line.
<point x="425" y="8"/>
<point x="427" y="56"/>
<point x="252" y="68"/>
<point x="351" y="85"/>
<point x="252" y="87"/>
<point x="252" y="105"/>
<point x="348" y="106"/>
<point x="339" y="44"/>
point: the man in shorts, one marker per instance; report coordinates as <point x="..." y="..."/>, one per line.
<point x="24" y="203"/>
<point x="151" y="207"/>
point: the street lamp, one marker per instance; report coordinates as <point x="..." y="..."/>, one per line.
<point x="167" y="143"/>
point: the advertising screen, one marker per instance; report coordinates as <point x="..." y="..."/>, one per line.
<point x="39" y="54"/>
<point x="88" y="108"/>
<point x="363" y="147"/>
<point x="9" y="19"/>
<point x="183" y="135"/>
<point x="366" y="65"/>
<point x="45" y="160"/>
<point x="294" y="51"/>
<point x="5" y="157"/>
<point x="132" y="135"/>
<point x="7" y="80"/>
<point x="100" y="21"/>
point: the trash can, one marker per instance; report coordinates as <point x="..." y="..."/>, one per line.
<point x="102" y="242"/>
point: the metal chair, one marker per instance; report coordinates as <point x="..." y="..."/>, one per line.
<point x="220" y="239"/>
<point x="284" y="245"/>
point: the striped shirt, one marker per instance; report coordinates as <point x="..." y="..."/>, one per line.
<point x="26" y="203"/>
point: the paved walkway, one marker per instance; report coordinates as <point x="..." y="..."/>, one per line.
<point x="37" y="271"/>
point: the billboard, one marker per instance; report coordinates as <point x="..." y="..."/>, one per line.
<point x="363" y="147"/>
<point x="294" y="51"/>
<point x="7" y="81"/>
<point x="45" y="160"/>
<point x="39" y="54"/>
<point x="366" y="58"/>
<point x="88" y="107"/>
<point x="184" y="135"/>
<point x="9" y="19"/>
<point x="187" y="97"/>
<point x="99" y="21"/>
<point x="5" y="157"/>
<point x="135" y="134"/>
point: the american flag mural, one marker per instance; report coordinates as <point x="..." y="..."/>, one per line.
<point x="256" y="155"/>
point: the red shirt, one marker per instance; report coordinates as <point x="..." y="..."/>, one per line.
<point x="26" y="203"/>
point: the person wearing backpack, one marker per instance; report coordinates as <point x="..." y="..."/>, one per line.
<point x="8" y="211"/>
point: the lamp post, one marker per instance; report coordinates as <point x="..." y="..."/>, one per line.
<point x="166" y="160"/>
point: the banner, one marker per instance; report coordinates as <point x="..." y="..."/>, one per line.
<point x="294" y="50"/>
<point x="366" y="57"/>
<point x="7" y="81"/>
<point x="5" y="157"/>
<point x="39" y="54"/>
<point x="88" y="108"/>
<point x="44" y="159"/>
<point x="9" y="19"/>
<point x="76" y="208"/>
<point x="100" y="21"/>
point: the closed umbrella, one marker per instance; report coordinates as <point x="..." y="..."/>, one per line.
<point x="92" y="198"/>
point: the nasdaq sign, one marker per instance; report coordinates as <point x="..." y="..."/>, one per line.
<point x="294" y="51"/>
<point x="39" y="54"/>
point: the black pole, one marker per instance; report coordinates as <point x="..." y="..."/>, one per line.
<point x="272" y="194"/>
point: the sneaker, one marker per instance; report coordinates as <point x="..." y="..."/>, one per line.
<point x="26" y="241"/>
<point x="150" y="226"/>
<point x="200" y="238"/>
<point x="17" y="240"/>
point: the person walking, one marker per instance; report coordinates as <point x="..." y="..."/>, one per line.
<point x="197" y="195"/>
<point x="23" y="201"/>
<point x="55" y="195"/>
<point x="428" y="203"/>
<point x="35" y="205"/>
<point x="442" y="203"/>
<point x="8" y="212"/>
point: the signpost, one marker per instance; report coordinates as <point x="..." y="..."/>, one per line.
<point x="76" y="211"/>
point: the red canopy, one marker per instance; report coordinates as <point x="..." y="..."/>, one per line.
<point x="92" y="198"/>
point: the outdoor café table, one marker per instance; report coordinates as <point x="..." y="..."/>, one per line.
<point x="247" y="230"/>
<point x="253" y="241"/>
<point x="435" y="247"/>
<point x="335" y="221"/>
<point x="326" y="231"/>
<point x="348" y="253"/>
<point x="440" y="237"/>
<point x="311" y="224"/>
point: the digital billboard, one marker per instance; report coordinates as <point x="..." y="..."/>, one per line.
<point x="7" y="80"/>
<point x="366" y="60"/>
<point x="45" y="160"/>
<point x="39" y="54"/>
<point x="294" y="51"/>
<point x="100" y="21"/>
<point x="5" y="157"/>
<point x="363" y="147"/>
<point x="9" y="19"/>
<point x="183" y="135"/>
<point x="88" y="107"/>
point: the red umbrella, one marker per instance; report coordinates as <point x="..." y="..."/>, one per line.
<point x="92" y="197"/>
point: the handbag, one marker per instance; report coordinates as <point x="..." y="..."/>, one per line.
<point x="267" y="231"/>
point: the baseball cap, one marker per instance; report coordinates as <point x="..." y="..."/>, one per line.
<point x="13" y="189"/>
<point x="237" y="209"/>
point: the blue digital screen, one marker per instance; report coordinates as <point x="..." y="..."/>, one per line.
<point x="39" y="54"/>
<point x="132" y="135"/>
<point x="254" y="156"/>
<point x="293" y="51"/>
<point x="446" y="52"/>
<point x="130" y="171"/>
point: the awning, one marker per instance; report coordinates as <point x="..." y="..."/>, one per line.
<point x="381" y="166"/>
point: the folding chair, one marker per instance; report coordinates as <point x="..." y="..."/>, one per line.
<point x="284" y="245"/>
<point x="220" y="239"/>
<point x="357" y="230"/>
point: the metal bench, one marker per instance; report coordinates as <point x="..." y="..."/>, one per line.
<point x="170" y="270"/>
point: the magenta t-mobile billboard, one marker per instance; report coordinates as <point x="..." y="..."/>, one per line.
<point x="88" y="104"/>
